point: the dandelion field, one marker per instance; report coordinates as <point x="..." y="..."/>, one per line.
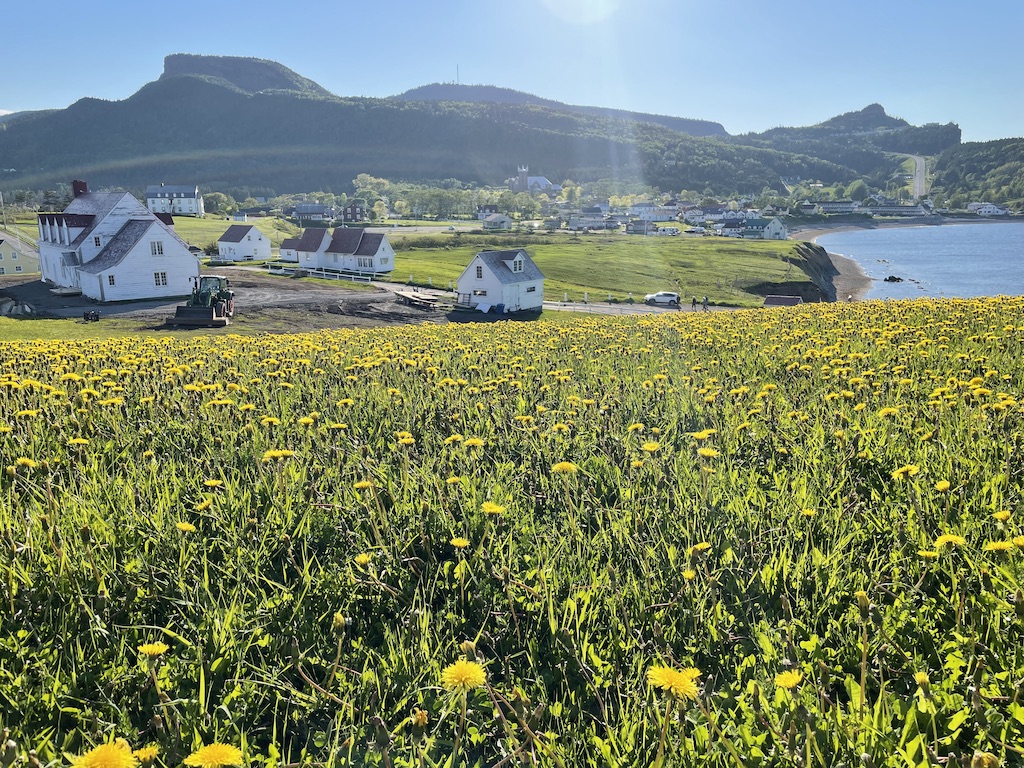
<point x="752" y="538"/>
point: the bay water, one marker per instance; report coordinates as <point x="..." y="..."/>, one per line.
<point x="961" y="260"/>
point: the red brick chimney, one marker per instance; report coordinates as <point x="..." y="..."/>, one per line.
<point x="79" y="188"/>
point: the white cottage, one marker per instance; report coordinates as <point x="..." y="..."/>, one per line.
<point x="177" y="200"/>
<point x="243" y="242"/>
<point x="16" y="258"/>
<point x="347" y="250"/>
<point x="508" y="278"/>
<point x="111" y="248"/>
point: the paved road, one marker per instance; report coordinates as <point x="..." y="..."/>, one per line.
<point x="920" y="175"/>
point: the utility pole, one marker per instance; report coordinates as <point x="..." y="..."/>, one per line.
<point x="3" y="209"/>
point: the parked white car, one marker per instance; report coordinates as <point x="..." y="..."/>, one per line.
<point x="662" y="297"/>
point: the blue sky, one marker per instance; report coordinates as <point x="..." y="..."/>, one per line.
<point x="748" y="65"/>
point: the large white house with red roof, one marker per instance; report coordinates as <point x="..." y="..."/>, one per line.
<point x="345" y="250"/>
<point x="110" y="247"/>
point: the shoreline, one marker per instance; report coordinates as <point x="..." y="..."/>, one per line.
<point x="850" y="279"/>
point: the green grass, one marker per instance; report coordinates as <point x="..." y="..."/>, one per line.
<point x="622" y="264"/>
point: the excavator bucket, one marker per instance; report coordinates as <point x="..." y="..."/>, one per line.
<point x="199" y="317"/>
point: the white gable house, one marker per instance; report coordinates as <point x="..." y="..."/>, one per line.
<point x="347" y="250"/>
<point x="177" y="200"/>
<point x="111" y="248"/>
<point x="509" y="278"/>
<point x="243" y="242"/>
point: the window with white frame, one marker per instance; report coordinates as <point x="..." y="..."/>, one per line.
<point x="479" y="272"/>
<point x="18" y="268"/>
<point x="479" y="293"/>
<point x="157" y="248"/>
<point x="110" y="280"/>
<point x="160" y="278"/>
<point x="14" y="255"/>
<point x="3" y="271"/>
<point x="364" y="262"/>
<point x="96" y="241"/>
<point x="532" y="289"/>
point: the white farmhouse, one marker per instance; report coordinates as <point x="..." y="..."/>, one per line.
<point x="111" y="248"/>
<point x="177" y="200"/>
<point x="509" y="278"/>
<point x="763" y="229"/>
<point x="243" y="242"/>
<point x="497" y="221"/>
<point x="347" y="250"/>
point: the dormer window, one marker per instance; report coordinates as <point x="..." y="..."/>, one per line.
<point x="517" y="264"/>
<point x="96" y="241"/>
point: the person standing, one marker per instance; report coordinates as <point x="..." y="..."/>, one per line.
<point x="704" y="304"/>
<point x="693" y="303"/>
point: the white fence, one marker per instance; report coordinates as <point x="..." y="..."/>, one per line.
<point x="276" y="269"/>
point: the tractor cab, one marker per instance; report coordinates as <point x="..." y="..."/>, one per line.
<point x="211" y="305"/>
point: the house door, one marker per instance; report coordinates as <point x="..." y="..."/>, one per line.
<point x="513" y="297"/>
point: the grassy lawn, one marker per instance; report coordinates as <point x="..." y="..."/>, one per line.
<point x="618" y="265"/>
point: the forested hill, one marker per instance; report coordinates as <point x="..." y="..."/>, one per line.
<point x="495" y="95"/>
<point x="859" y="140"/>
<point x="991" y="171"/>
<point x="226" y="121"/>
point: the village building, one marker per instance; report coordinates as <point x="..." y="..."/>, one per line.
<point x="509" y="281"/>
<point x="346" y="250"/>
<point x="987" y="209"/>
<point x="110" y="247"/>
<point x="243" y="242"/>
<point x="497" y="221"/>
<point x="354" y="212"/>
<point x="641" y="227"/>
<point x="15" y="257"/>
<point x="177" y="200"/>
<point x="314" y="212"/>
<point x="535" y="185"/>
<point x="483" y="211"/>
<point x="763" y="229"/>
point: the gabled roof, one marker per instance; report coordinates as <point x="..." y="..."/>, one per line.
<point x="120" y="244"/>
<point x="235" y="233"/>
<point x="370" y="244"/>
<point x="498" y="262"/>
<point x="166" y="218"/>
<point x="311" y="239"/>
<point x="497" y="217"/>
<point x="290" y="244"/>
<point x="182" y="190"/>
<point x="345" y="240"/>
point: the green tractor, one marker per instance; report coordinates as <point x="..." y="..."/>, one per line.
<point x="212" y="304"/>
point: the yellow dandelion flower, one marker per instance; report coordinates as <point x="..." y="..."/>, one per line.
<point x="362" y="485"/>
<point x="1018" y="542"/>
<point x="921" y="678"/>
<point x="153" y="650"/>
<point x="78" y="441"/>
<point x="306" y="421"/>
<point x="213" y="483"/>
<point x="652" y="446"/>
<point x="363" y="558"/>
<point x="984" y="760"/>
<point x="419" y="718"/>
<point x="942" y="486"/>
<point x="927" y="554"/>
<point x="474" y="442"/>
<point x="808" y="512"/>
<point x="116" y="754"/>
<point x="949" y="538"/>
<point x="460" y="542"/>
<point x="185" y="527"/>
<point x="677" y="683"/>
<point x="707" y="453"/>
<point x="565" y="468"/>
<point x="699" y="548"/>
<point x="463" y="676"/>
<point x="204" y="505"/>
<point x="789" y="679"/>
<point x="704" y="434"/>
<point x="406" y="440"/>
<point x="453" y="439"/>
<point x="147" y="754"/>
<point x="1002" y="515"/>
<point x="25" y="461"/>
<point x="689" y="574"/>
<point x="637" y="427"/>
<point x="453" y="480"/>
<point x="215" y="755"/>
<point x="997" y="546"/>
<point x="908" y="470"/>
<point x="490" y="508"/>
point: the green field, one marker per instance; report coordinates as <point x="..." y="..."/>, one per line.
<point x="785" y="538"/>
<point x="617" y="264"/>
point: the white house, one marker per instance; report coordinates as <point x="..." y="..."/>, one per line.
<point x="497" y="221"/>
<point x="987" y="209"/>
<point x="177" y="200"/>
<point x="15" y="257"/>
<point x="243" y="242"/>
<point x="112" y="248"/>
<point x="347" y="250"/>
<point x="509" y="278"/>
<point x="762" y="229"/>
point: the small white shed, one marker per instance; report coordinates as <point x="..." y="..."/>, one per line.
<point x="506" y="278"/>
<point x="243" y="242"/>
